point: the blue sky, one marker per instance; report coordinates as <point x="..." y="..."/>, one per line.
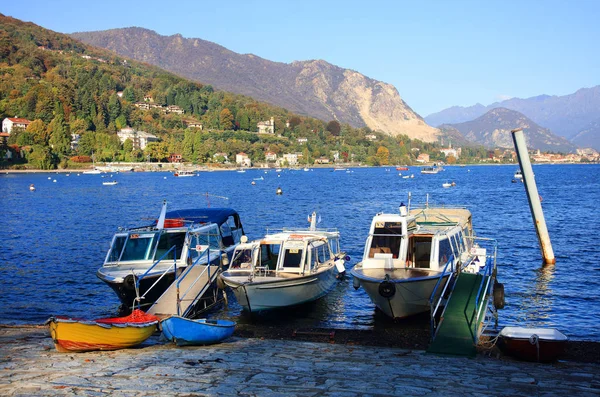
<point x="436" y="53"/>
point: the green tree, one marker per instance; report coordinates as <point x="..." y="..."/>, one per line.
<point x="38" y="131"/>
<point x="226" y="119"/>
<point x="334" y="127"/>
<point x="41" y="157"/>
<point x="60" y="137"/>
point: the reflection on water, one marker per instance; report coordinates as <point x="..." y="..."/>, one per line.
<point x="56" y="237"/>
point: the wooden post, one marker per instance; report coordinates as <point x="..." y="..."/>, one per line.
<point x="533" y="196"/>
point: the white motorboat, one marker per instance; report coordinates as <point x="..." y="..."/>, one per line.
<point x="431" y="170"/>
<point x="184" y="173"/>
<point x="110" y="183"/>
<point x="287" y="268"/>
<point x="94" y="171"/>
<point x="409" y="257"/>
<point x="153" y="254"/>
<point x="518" y="174"/>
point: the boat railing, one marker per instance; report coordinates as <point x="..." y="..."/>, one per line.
<point x="173" y="266"/>
<point x="435" y="307"/>
<point x="300" y="229"/>
<point x="187" y="271"/>
<point x="484" y="290"/>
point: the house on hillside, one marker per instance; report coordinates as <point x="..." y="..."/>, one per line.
<point x="175" y="109"/>
<point x="11" y="122"/>
<point x="291" y="158"/>
<point x="302" y="141"/>
<point x="371" y="137"/>
<point x="270" y="156"/>
<point x="266" y="127"/>
<point x="175" y="158"/>
<point x="322" y="160"/>
<point x="423" y="158"/>
<point x="243" y="160"/>
<point x="140" y="139"/>
<point x="194" y="124"/>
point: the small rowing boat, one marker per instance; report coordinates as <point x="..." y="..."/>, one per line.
<point x="78" y="335"/>
<point x="187" y="332"/>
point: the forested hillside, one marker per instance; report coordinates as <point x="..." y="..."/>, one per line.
<point x="66" y="87"/>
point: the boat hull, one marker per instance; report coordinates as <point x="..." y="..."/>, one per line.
<point x="264" y="294"/>
<point x="187" y="332"/>
<point x="125" y="289"/>
<point x="412" y="290"/>
<point x="71" y="335"/>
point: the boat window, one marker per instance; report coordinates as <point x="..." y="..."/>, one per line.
<point x="385" y="245"/>
<point x="334" y="245"/>
<point x="117" y="247"/>
<point x="166" y="242"/>
<point x="138" y="247"/>
<point x="226" y="235"/>
<point x="422" y="251"/>
<point x="242" y="259"/>
<point x="269" y="253"/>
<point x="444" y="251"/>
<point x="324" y="254"/>
<point x="236" y="228"/>
<point x="292" y="258"/>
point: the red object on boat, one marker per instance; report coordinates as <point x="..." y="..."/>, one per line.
<point x="136" y="316"/>
<point x="401" y="168"/>
<point x="178" y="222"/>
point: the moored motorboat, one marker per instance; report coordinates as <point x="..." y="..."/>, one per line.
<point x="431" y="170"/>
<point x="532" y="344"/>
<point x="77" y="335"/>
<point x="410" y="256"/>
<point x="110" y="183"/>
<point x="185" y="332"/>
<point x="182" y="174"/>
<point x="518" y="175"/>
<point x="150" y="257"/>
<point x="286" y="268"/>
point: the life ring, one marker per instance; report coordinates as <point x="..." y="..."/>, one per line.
<point x="387" y="289"/>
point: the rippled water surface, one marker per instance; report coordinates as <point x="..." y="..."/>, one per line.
<point x="54" y="239"/>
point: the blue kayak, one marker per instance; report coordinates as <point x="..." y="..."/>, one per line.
<point x="185" y="331"/>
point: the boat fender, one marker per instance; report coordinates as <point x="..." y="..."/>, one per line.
<point x="499" y="295"/>
<point x="339" y="265"/>
<point x="129" y="282"/>
<point x="220" y="283"/>
<point x="387" y="289"/>
<point x="356" y="283"/>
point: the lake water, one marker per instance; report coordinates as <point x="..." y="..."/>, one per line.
<point x="54" y="239"/>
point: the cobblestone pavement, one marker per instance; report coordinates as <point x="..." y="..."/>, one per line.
<point x="29" y="365"/>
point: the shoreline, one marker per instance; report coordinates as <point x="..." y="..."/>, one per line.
<point x="268" y="367"/>
<point x="171" y="167"/>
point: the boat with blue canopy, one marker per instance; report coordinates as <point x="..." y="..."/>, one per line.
<point x="144" y="261"/>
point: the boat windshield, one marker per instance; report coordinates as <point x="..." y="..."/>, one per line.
<point x="269" y="255"/>
<point x="167" y="241"/>
<point x="292" y="258"/>
<point x="138" y="247"/>
<point x="386" y="239"/>
<point x="242" y="259"/>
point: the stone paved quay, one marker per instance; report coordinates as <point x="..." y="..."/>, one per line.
<point x="30" y="366"/>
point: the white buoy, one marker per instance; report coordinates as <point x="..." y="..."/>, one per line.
<point x="254" y="183"/>
<point x="32" y="187"/>
<point x="49" y="178"/>
<point x="279" y="191"/>
<point x="54" y="181"/>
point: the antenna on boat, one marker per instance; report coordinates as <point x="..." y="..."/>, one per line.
<point x="163" y="213"/>
<point x="409" y="197"/>
<point x="427" y="201"/>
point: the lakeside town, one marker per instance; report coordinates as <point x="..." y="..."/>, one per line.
<point x="14" y="156"/>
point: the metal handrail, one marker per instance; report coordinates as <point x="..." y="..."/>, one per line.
<point x="184" y="274"/>
<point x="487" y="276"/>
<point x="431" y="298"/>
<point x="174" y="266"/>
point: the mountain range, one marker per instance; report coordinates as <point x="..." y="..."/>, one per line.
<point x="575" y="117"/>
<point x="493" y="130"/>
<point x="316" y="88"/>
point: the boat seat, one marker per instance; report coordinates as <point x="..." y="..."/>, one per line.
<point x="379" y="250"/>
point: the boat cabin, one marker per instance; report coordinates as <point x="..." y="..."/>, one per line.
<point x="399" y="241"/>
<point x="184" y="232"/>
<point x="298" y="254"/>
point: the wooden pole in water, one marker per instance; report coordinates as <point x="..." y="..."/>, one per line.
<point x="533" y="196"/>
